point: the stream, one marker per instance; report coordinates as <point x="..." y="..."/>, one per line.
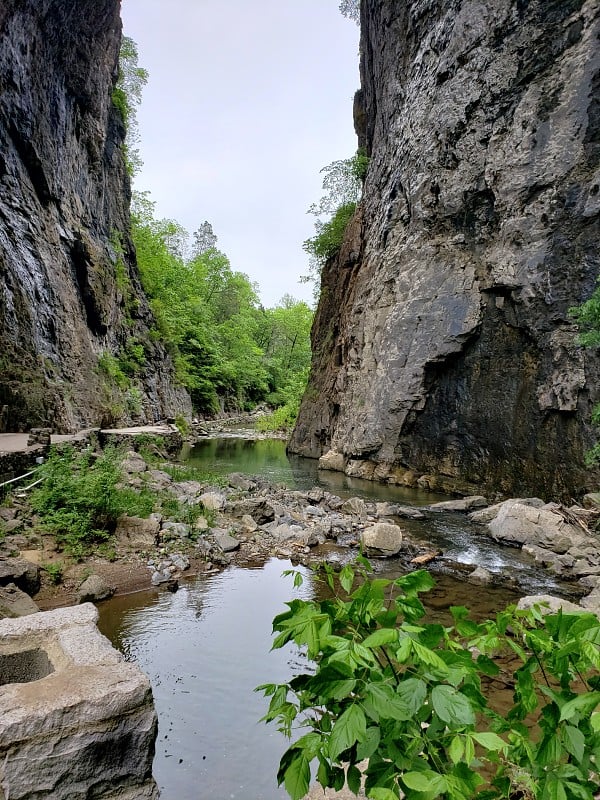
<point x="206" y="647"/>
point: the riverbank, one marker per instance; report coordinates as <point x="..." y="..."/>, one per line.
<point x="243" y="521"/>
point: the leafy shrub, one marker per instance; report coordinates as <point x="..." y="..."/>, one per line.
<point x="54" y="570"/>
<point x="407" y="697"/>
<point x="330" y="235"/>
<point x="79" y="499"/>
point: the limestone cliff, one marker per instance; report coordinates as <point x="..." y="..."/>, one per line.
<point x="70" y="296"/>
<point x="443" y="345"/>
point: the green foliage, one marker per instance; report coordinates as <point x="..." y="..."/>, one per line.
<point x="329" y="236"/>
<point x="342" y="185"/>
<point x="351" y="9"/>
<point x="229" y="352"/>
<point x="54" y="570"/>
<point x="408" y="697"/>
<point x="79" y="500"/>
<point x="126" y="97"/>
<point x="111" y="368"/>
<point x="587" y="317"/>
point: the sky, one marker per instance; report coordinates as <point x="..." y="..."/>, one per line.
<point x="245" y="103"/>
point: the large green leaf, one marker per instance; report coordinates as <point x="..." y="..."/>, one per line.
<point x="574" y="741"/>
<point x="451" y="706"/>
<point x="350" y="727"/>
<point x="583" y="704"/>
<point x="381" y="637"/>
<point x="413" y="692"/>
<point x="297" y="776"/>
<point x="425" y="782"/>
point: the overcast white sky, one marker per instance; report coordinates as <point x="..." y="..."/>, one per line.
<point x="246" y="102"/>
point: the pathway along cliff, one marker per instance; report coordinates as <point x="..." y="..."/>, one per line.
<point x="442" y="342"/>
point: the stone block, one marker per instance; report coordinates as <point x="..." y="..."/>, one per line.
<point x="76" y="720"/>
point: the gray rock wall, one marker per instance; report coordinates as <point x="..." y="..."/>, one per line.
<point x="64" y="197"/>
<point x="442" y="340"/>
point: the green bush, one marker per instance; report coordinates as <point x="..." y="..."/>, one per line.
<point x="79" y="499"/>
<point x="330" y="235"/>
<point x="407" y="697"/>
<point x="54" y="570"/>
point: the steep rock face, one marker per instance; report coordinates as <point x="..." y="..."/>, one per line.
<point x="69" y="288"/>
<point x="442" y="340"/>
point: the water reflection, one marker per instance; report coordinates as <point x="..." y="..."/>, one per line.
<point x="267" y="458"/>
<point x="205" y="649"/>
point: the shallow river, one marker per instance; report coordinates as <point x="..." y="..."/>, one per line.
<point x="207" y="647"/>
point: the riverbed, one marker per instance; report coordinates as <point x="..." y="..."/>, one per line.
<point x="206" y="647"/>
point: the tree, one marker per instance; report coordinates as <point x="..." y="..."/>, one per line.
<point x="351" y="9"/>
<point x="204" y="239"/>
<point x="127" y="96"/>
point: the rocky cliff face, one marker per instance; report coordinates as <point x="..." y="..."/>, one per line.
<point x="443" y="345"/>
<point x="70" y="298"/>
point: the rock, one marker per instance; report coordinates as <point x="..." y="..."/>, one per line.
<point x="138" y="533"/>
<point x="591" y="500"/>
<point x="333" y="461"/>
<point x="174" y="530"/>
<point x="239" y="481"/>
<point x="549" y="604"/>
<point x="449" y="279"/>
<point x="213" y="501"/>
<point x="261" y="511"/>
<point x="7" y="514"/>
<point x="461" y="504"/>
<point x="41" y="436"/>
<point x="383" y="538"/>
<point x="68" y="704"/>
<point x="520" y="524"/>
<point x="481" y="577"/>
<point x="248" y="523"/>
<point x="558" y="563"/>
<point x="24" y="574"/>
<point x="11" y="526"/>
<point x="225" y="542"/>
<point x="287" y="533"/>
<point x="133" y="463"/>
<point x="15" y="603"/>
<point x="408" y="512"/>
<point x="160" y="576"/>
<point x="489" y="513"/>
<point x="93" y="589"/>
<point x="180" y="561"/>
<point x="355" y="506"/>
<point x="159" y="478"/>
<point x="201" y="524"/>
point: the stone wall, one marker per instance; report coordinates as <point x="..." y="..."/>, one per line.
<point x="442" y="341"/>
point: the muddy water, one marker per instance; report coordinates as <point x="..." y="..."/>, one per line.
<point x="206" y="647"/>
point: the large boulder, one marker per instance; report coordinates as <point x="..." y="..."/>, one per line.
<point x="333" y="461"/>
<point x="138" y="533"/>
<point x="548" y="604"/>
<point x="15" y="603"/>
<point x="93" y="589"/>
<point x="383" y="538"/>
<point x="519" y="524"/>
<point x="24" y="574"/>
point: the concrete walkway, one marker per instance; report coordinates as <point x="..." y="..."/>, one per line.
<point x="17" y="442"/>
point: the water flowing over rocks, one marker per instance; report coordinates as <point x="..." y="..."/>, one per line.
<point x="69" y="285"/>
<point x="444" y="354"/>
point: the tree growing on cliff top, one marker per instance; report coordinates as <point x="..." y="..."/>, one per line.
<point x="127" y="96"/>
<point x="351" y="9"/>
